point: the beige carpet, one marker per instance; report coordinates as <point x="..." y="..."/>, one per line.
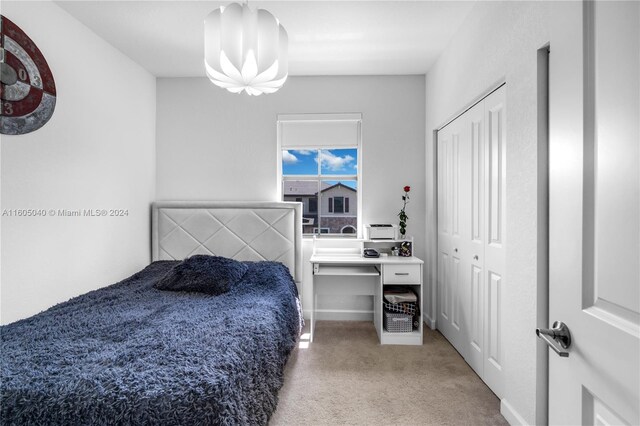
<point x="346" y="377"/>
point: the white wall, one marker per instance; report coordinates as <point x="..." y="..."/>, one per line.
<point x="214" y="145"/>
<point x="96" y="152"/>
<point x="499" y="41"/>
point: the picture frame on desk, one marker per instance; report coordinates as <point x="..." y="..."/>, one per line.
<point x="406" y="249"/>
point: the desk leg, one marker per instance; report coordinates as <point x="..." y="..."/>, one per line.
<point x="313" y="310"/>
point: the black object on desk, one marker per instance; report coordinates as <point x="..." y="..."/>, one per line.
<point x="371" y="253"/>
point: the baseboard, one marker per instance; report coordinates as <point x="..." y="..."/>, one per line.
<point x="341" y="315"/>
<point x="510" y="414"/>
<point x="429" y="321"/>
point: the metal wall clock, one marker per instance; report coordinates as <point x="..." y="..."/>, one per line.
<point x="28" y="91"/>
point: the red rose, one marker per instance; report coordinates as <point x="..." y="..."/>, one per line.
<point x="407" y="188"/>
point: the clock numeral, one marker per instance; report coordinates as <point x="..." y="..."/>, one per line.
<point x="22" y="74"/>
<point x="7" y="108"/>
<point x="36" y="80"/>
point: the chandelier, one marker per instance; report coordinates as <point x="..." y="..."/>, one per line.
<point x="245" y="50"/>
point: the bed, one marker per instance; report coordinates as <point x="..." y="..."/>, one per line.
<point x="132" y="354"/>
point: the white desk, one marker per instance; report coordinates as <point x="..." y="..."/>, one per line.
<point x="367" y="276"/>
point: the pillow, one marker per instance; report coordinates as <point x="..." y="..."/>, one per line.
<point x="205" y="274"/>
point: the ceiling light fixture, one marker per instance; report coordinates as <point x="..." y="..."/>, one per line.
<point x="245" y="50"/>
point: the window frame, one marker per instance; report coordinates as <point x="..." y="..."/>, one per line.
<point x="356" y="118"/>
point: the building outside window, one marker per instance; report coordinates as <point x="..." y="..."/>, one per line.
<point x="308" y="177"/>
<point x="325" y="176"/>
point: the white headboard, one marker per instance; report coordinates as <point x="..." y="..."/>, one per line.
<point x="234" y="229"/>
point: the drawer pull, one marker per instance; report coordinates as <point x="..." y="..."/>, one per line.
<point x="402" y="273"/>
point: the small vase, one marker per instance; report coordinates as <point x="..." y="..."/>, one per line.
<point x="403" y="236"/>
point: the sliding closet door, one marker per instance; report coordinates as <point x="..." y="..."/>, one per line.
<point x="495" y="225"/>
<point x="445" y="223"/>
<point x="471" y="235"/>
<point x="460" y="231"/>
<point x="476" y="283"/>
<point x="455" y="149"/>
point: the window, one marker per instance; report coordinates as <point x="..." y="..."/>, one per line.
<point x="338" y="204"/>
<point x="318" y="162"/>
<point x="348" y="229"/>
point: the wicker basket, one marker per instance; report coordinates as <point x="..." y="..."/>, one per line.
<point x="408" y="308"/>
<point x="397" y="323"/>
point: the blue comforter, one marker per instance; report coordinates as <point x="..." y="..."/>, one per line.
<point x="131" y="354"/>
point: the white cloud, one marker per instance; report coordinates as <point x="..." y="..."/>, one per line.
<point x="304" y="151"/>
<point x="333" y="162"/>
<point x="289" y="158"/>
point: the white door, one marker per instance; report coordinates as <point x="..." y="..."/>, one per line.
<point x="495" y="145"/>
<point x="476" y="285"/>
<point x="444" y="232"/>
<point x="471" y="232"/>
<point x="452" y="195"/>
<point x="594" y="257"/>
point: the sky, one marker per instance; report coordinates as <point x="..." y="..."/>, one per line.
<point x="333" y="162"/>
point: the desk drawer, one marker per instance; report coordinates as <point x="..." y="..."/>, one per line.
<point x="401" y="274"/>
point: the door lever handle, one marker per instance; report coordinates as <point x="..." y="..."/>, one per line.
<point x="561" y="336"/>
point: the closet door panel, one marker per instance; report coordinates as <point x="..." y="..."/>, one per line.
<point x="444" y="313"/>
<point x="445" y="202"/>
<point x="493" y="364"/>
<point x="457" y="337"/>
<point x="443" y="186"/>
<point x="456" y="275"/>
<point x="475" y="349"/>
<point x="477" y="179"/>
<point x="495" y="169"/>
<point x="495" y="225"/>
<point x="453" y="209"/>
<point x="476" y="241"/>
<point x="455" y="182"/>
<point x="461" y="229"/>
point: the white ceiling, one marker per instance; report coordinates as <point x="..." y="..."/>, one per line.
<point x="325" y="37"/>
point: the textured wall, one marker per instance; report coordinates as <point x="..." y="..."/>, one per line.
<point x="96" y="152"/>
<point x="499" y="41"/>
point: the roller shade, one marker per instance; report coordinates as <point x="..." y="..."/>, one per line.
<point x="333" y="131"/>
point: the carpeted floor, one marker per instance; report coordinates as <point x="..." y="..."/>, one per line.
<point x="345" y="377"/>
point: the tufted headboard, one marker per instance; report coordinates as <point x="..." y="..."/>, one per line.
<point x="235" y="229"/>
